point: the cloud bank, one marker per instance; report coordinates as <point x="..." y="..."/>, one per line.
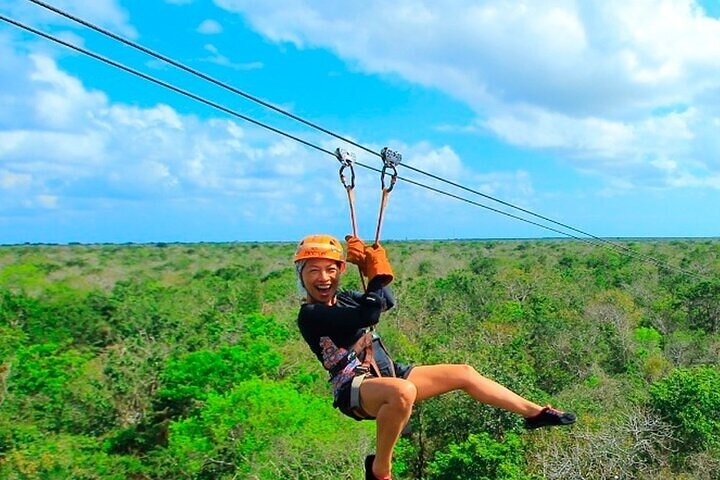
<point x="70" y="149"/>
<point x="621" y="90"/>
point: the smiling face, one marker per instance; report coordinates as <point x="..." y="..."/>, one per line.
<point x="321" y="278"/>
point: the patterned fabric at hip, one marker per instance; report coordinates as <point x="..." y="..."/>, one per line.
<point x="333" y="358"/>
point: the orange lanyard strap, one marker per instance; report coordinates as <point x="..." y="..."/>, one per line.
<point x="391" y="159"/>
<point x="346" y="159"/>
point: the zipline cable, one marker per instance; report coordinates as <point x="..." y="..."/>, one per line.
<point x="255" y="122"/>
<point x="162" y="83"/>
<point x="231" y="112"/>
<point x="297" y="118"/>
<point x="308" y="123"/>
<point x="198" y="73"/>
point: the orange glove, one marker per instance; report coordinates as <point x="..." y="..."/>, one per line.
<point x="377" y="264"/>
<point x="356" y="252"/>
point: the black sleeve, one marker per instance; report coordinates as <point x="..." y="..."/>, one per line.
<point x="383" y="294"/>
<point x="350" y="318"/>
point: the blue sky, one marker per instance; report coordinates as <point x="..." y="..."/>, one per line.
<point x="603" y="115"/>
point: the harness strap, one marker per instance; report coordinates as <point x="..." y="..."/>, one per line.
<point x="346" y="160"/>
<point x="365" y="345"/>
<point x="355" y="406"/>
<point x="382" y="346"/>
<point x="367" y="367"/>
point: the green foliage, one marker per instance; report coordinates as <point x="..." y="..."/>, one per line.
<point x="29" y="275"/>
<point x="609" y="268"/>
<point x="648" y="340"/>
<point x="60" y="457"/>
<point x="143" y="307"/>
<point x="690" y="399"/>
<point x="558" y="348"/>
<point x="183" y="361"/>
<point x="277" y="284"/>
<point x="480" y="457"/>
<point x="11" y="338"/>
<point x="193" y="376"/>
<point x="236" y="288"/>
<point x="18" y="310"/>
<point x="482" y="265"/>
<point x="46" y="369"/>
<point x="691" y="347"/>
<point x="703" y="306"/>
<point x="262" y="429"/>
<point x="55" y="386"/>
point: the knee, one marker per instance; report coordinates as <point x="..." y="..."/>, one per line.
<point x="405" y="394"/>
<point x="466" y="373"/>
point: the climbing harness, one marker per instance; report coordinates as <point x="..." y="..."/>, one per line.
<point x="359" y="362"/>
<point x="353" y="366"/>
<point x="391" y="159"/>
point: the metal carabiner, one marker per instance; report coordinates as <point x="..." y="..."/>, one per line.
<point x="391" y="159"/>
<point x="346" y="159"/>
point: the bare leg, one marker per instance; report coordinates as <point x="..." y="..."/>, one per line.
<point x="390" y="400"/>
<point x="434" y="380"/>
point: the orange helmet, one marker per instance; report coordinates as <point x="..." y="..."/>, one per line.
<point x="320" y="246"/>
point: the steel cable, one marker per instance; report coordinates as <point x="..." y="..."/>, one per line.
<point x="598" y="240"/>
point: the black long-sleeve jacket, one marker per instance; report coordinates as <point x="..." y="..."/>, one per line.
<point x="343" y="323"/>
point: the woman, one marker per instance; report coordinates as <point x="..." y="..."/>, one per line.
<point x="367" y="384"/>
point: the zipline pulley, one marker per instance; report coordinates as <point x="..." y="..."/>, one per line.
<point x="391" y="159"/>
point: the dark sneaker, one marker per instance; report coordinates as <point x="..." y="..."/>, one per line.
<point x="549" y="417"/>
<point x="368" y="467"/>
<point x="369" y="475"/>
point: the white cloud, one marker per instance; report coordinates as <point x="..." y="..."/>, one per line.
<point x="77" y="146"/>
<point x="47" y="201"/>
<point x="220" y="59"/>
<point x="10" y="180"/>
<point x="614" y="87"/>
<point x="105" y="13"/>
<point x="209" y="27"/>
<point x="65" y="101"/>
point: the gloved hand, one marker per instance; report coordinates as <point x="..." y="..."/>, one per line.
<point x="377" y="265"/>
<point x="356" y="252"/>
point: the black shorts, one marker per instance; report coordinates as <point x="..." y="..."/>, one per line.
<point x="342" y="400"/>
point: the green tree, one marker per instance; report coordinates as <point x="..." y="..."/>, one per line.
<point x="61" y="389"/>
<point x="190" y="377"/>
<point x="703" y="306"/>
<point x="61" y="457"/>
<point x="690" y="399"/>
<point x="265" y="430"/>
<point x="480" y="457"/>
